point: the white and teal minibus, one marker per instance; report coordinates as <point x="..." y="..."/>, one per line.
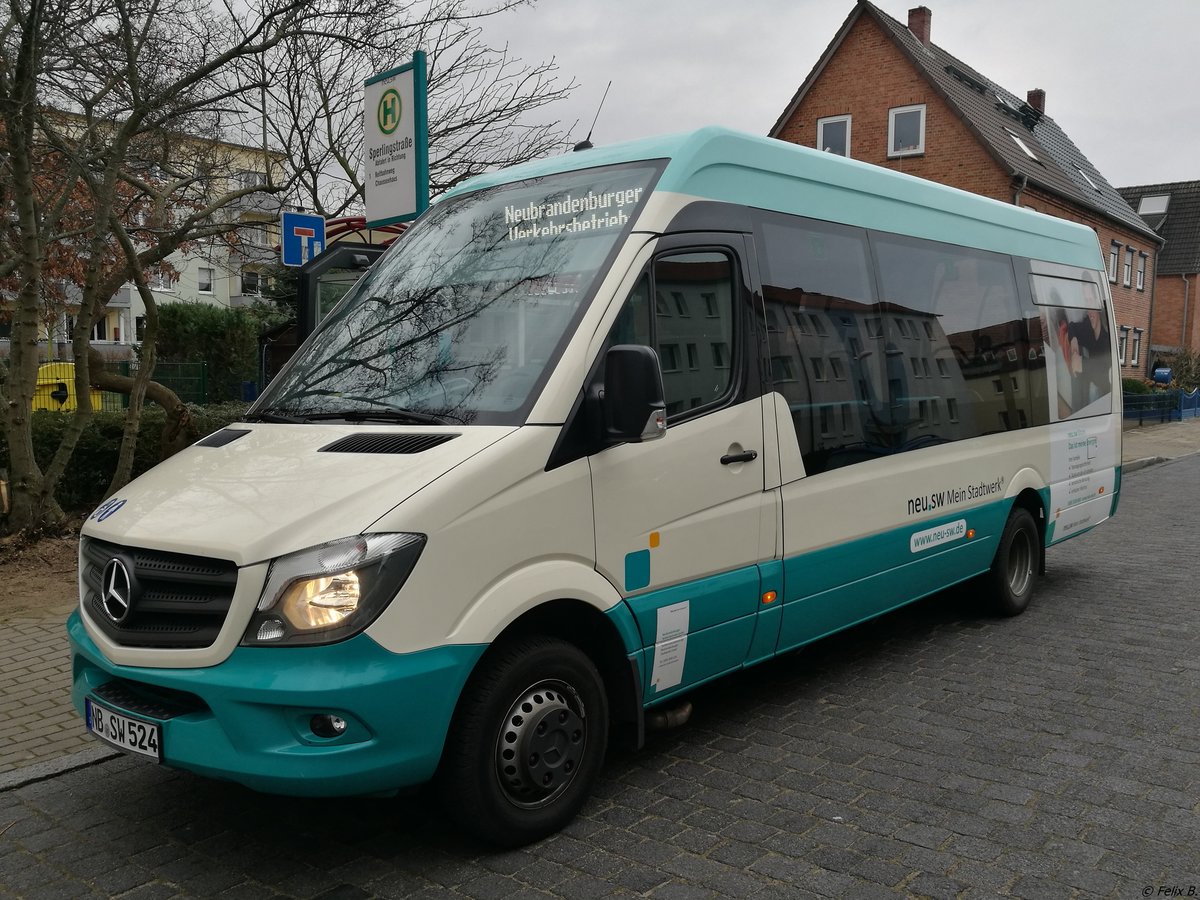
<point x="598" y="430"/>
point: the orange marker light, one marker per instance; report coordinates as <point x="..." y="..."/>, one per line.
<point x="770" y="597"/>
<point x="653" y="539"/>
<point x="970" y="533"/>
<point x="1102" y="490"/>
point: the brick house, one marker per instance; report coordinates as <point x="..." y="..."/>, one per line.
<point x="1173" y="211"/>
<point x="884" y="93"/>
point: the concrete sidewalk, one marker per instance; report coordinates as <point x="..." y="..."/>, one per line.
<point x="44" y="735"/>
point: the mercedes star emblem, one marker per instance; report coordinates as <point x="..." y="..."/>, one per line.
<point x="116" y="594"/>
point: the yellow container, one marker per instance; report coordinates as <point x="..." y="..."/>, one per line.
<point x="56" y="387"/>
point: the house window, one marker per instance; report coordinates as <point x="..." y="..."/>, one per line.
<point x="139" y="328"/>
<point x="1137" y="346"/>
<point x="1141" y="272"/>
<point x="205" y="278"/>
<point x="1114" y="251"/>
<point x="250" y="282"/>
<point x="669" y="354"/>
<point x="833" y="135"/>
<point x="249" y="179"/>
<point x="906" y="130"/>
<point x="1127" y="272"/>
<point x="1123" y="343"/>
<point x="161" y="281"/>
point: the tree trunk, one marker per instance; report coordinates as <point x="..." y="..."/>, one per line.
<point x="177" y="432"/>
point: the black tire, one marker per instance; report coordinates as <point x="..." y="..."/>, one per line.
<point x="526" y="743"/>
<point x="1013" y="575"/>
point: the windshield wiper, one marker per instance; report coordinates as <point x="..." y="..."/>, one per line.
<point x="266" y="415"/>
<point x="382" y="415"/>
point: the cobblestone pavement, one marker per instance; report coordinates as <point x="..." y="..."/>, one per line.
<point x="933" y="752"/>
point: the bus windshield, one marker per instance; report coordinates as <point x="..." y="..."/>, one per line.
<point x="461" y="321"/>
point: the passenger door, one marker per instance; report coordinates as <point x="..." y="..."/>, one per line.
<point x="683" y="521"/>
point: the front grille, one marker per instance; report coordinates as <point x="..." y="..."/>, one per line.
<point x="177" y="600"/>
<point x="148" y="700"/>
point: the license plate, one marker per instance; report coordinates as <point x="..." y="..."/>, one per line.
<point x="123" y="732"/>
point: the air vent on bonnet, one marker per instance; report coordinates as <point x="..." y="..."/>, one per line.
<point x="223" y="437"/>
<point x="387" y="443"/>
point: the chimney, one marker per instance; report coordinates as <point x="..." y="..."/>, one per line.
<point x="1037" y="99"/>
<point x="919" y="20"/>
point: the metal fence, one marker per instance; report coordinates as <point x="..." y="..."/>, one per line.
<point x="1162" y="406"/>
<point x="189" y="380"/>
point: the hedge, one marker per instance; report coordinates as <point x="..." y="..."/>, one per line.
<point x="95" y="458"/>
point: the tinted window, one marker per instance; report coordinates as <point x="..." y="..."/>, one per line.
<point x="820" y="305"/>
<point x="1077" y="344"/>
<point x="684" y="309"/>
<point x="970" y="328"/>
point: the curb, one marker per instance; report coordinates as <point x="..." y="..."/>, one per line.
<point x="1134" y="465"/>
<point x="52" y="768"/>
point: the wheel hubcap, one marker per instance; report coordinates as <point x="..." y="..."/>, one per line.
<point x="541" y="743"/>
<point x="1020" y="564"/>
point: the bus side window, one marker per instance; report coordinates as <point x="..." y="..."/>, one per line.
<point x="691" y="328"/>
<point x="693" y="325"/>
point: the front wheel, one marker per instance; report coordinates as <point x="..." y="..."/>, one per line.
<point x="1014" y="569"/>
<point x="526" y="743"/>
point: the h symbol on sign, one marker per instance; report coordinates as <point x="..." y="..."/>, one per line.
<point x="389" y="112"/>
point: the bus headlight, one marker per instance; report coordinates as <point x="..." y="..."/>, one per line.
<point x="333" y="591"/>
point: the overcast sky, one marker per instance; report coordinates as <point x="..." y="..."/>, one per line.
<point x="1120" y="78"/>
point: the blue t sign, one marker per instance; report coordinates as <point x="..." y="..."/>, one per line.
<point x="303" y="237"/>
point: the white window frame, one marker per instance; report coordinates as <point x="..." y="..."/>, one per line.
<point x="1114" y="255"/>
<point x="212" y="280"/>
<point x="830" y="120"/>
<point x="1127" y="269"/>
<point x="1122" y="343"/>
<point x="892" y="152"/>
<point x="1141" y="272"/>
<point x="1137" y="345"/>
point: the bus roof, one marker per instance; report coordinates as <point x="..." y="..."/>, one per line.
<point x="729" y="166"/>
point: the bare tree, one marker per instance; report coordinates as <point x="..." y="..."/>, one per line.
<point x="102" y="95"/>
<point x="115" y="123"/>
<point x="484" y="104"/>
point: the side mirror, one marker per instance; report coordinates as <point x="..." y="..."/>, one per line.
<point x="633" y="402"/>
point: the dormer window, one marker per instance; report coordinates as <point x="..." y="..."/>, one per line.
<point x="1153" y="204"/>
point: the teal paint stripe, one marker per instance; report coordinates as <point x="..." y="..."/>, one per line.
<point x="711" y="601"/>
<point x="766" y="631"/>
<point x="815" y="616"/>
<point x="811" y="574"/>
<point x="1116" y="491"/>
<point x="710" y="652"/>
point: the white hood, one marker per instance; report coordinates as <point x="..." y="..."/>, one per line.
<point x="273" y="491"/>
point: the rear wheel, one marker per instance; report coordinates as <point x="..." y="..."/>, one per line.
<point x="526" y="743"/>
<point x="1014" y="570"/>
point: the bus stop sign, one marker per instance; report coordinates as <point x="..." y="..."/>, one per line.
<point x="303" y="237"/>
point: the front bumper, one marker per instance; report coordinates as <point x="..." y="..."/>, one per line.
<point x="247" y="719"/>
